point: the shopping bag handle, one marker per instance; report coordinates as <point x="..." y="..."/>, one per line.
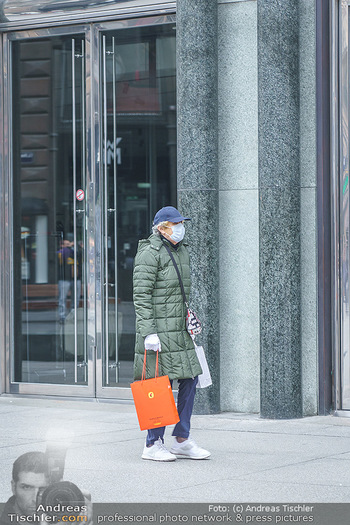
<point x="143" y="376"/>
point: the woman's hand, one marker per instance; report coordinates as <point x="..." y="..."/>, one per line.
<point x="152" y="342"/>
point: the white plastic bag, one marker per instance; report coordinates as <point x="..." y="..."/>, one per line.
<point x="204" y="379"/>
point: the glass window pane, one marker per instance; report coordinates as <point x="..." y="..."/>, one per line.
<point x="49" y="228"/>
<point x="140" y="95"/>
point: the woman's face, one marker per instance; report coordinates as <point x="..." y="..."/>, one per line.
<point x="166" y="230"/>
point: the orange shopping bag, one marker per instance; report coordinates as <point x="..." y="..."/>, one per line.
<point x="154" y="400"/>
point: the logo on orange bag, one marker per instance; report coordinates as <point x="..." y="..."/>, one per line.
<point x="151" y="395"/>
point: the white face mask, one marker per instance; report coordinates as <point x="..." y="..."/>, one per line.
<point x="178" y="232"/>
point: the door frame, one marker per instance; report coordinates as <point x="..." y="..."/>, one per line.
<point x="13" y="387"/>
<point x="94" y="190"/>
<point x="339" y="191"/>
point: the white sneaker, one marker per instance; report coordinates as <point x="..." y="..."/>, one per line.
<point x="189" y="449"/>
<point x="157" y="452"/>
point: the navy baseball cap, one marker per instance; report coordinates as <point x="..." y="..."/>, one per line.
<point x="168" y="213"/>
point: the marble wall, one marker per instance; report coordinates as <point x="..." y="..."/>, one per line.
<point x="197" y="133"/>
<point x="279" y="208"/>
<point x="221" y="180"/>
<point x="238" y="198"/>
<point x="308" y="205"/>
<point x="239" y="207"/>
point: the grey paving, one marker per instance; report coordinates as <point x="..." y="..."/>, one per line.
<point x="253" y="459"/>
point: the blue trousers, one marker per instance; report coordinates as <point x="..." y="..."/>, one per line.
<point x="185" y="400"/>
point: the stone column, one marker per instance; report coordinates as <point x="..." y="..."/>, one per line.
<point x="279" y="198"/>
<point x="197" y="98"/>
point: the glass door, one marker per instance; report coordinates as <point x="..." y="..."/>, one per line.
<point x="49" y="228"/>
<point x="91" y="126"/>
<point x="138" y="172"/>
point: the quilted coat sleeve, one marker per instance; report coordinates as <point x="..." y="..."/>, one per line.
<point x="145" y="276"/>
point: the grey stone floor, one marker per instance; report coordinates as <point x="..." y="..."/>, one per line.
<point x="253" y="460"/>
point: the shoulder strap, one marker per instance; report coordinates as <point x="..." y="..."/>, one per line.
<point x="178" y="273"/>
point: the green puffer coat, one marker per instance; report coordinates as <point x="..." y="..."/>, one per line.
<point x="160" y="310"/>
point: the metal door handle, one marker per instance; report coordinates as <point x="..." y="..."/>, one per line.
<point x="75" y="210"/>
<point x="110" y="210"/>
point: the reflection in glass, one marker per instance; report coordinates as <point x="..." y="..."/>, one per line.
<point x="138" y="99"/>
<point x="137" y="171"/>
<point x="49" y="224"/>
